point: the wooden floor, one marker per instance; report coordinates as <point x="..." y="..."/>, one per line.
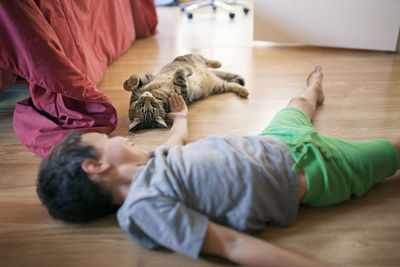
<point x="363" y="101"/>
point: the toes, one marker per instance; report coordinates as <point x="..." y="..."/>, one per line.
<point x="317" y="70"/>
<point x="308" y="78"/>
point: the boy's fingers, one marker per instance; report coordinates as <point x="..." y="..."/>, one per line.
<point x="174" y="100"/>
<point x="181" y="101"/>
<point x="172" y="105"/>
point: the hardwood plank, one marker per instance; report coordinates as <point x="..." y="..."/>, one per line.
<point x="362" y="101"/>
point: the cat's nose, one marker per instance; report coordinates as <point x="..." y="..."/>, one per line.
<point x="146" y="94"/>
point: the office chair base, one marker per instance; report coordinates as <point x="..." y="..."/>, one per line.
<point x="223" y="4"/>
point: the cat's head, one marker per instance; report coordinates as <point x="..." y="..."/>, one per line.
<point x="145" y="110"/>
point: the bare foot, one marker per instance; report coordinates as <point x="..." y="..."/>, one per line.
<point x="314" y="80"/>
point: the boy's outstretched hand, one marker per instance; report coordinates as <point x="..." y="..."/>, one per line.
<point x="177" y="107"/>
<point x="178" y="112"/>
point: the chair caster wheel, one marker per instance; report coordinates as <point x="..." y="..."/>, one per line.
<point x="246" y="10"/>
<point x="189" y="15"/>
<point x="231" y="15"/>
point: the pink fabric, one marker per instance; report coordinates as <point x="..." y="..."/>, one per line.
<point x="62" y="48"/>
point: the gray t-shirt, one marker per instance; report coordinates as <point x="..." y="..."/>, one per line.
<point x="241" y="182"/>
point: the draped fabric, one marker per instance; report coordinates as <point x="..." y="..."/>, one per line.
<point x="62" y="48"/>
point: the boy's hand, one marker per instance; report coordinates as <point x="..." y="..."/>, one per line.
<point x="177" y="107"/>
<point x="179" y="131"/>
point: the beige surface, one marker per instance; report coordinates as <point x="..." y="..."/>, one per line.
<point x="363" y="101"/>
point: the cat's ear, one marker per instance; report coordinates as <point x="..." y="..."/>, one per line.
<point x="132" y="83"/>
<point x="135" y="125"/>
<point x="160" y="123"/>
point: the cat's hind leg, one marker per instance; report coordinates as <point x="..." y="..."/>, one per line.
<point x="215" y="64"/>
<point x="223" y="86"/>
<point x="237" y="89"/>
<point x="229" y="77"/>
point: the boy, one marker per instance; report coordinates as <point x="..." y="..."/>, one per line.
<point x="201" y="196"/>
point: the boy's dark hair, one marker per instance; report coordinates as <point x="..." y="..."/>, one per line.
<point x="65" y="188"/>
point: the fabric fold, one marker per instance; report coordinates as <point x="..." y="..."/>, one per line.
<point x="62" y="49"/>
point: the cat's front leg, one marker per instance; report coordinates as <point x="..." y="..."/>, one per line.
<point x="180" y="82"/>
<point x="145" y="79"/>
<point x="135" y="81"/>
<point x="131" y="83"/>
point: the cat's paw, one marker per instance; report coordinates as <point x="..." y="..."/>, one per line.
<point x="242" y="92"/>
<point x="238" y="79"/>
<point x="215" y="64"/>
<point x="131" y="83"/>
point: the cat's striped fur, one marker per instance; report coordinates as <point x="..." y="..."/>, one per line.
<point x="187" y="75"/>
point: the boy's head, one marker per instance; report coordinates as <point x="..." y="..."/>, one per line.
<point x="64" y="186"/>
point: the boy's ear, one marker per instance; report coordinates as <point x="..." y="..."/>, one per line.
<point x="92" y="166"/>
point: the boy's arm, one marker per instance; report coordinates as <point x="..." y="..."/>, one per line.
<point x="179" y="131"/>
<point x="248" y="250"/>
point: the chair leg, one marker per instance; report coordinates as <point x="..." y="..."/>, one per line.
<point x="223" y="5"/>
<point x="188" y="7"/>
<point x="238" y="3"/>
<point x="186" y="4"/>
<point x="198" y="4"/>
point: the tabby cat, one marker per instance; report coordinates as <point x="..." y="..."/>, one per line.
<point x="188" y="76"/>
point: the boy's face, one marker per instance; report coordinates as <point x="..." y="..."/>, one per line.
<point x="116" y="150"/>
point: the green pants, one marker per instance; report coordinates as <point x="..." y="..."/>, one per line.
<point x="335" y="169"/>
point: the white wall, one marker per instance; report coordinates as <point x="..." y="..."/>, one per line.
<point x="363" y="24"/>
